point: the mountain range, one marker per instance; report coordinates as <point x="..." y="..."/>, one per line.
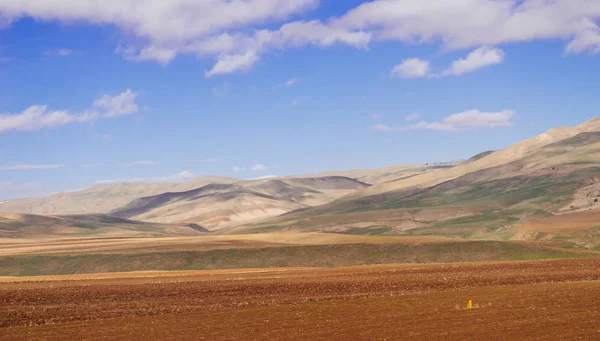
<point x="524" y="191"/>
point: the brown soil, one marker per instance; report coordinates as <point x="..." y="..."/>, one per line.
<point x="544" y="300"/>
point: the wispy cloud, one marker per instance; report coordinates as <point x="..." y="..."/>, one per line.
<point x="59" y="52"/>
<point x="204" y="160"/>
<point x="376" y="117"/>
<point x="412" y="117"/>
<point x="264" y="177"/>
<point x="296" y="101"/>
<point x="289" y="83"/>
<point x="4" y="60"/>
<point x="179" y="177"/>
<point x="259" y="167"/>
<point x="237" y="169"/>
<point x="93" y="165"/>
<point x="460" y="121"/>
<point x="221" y="90"/>
<point x="27" y="166"/>
<point x="140" y="163"/>
<point x="38" y="117"/>
<point x="229" y="63"/>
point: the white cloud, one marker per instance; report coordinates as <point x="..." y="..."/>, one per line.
<point x="412" y="117"/>
<point x="459" y="121"/>
<point x="226" y="30"/>
<point x="477" y="59"/>
<point x="411" y="68"/>
<point x="237" y="169"/>
<point x="477" y="119"/>
<point x="259" y="167"/>
<point x="140" y="163"/>
<point x="26" y="166"/>
<point x="376" y="117"/>
<point x="113" y="106"/>
<point x="471" y="23"/>
<point x="179" y="177"/>
<point x="237" y="33"/>
<point x="38" y="117"/>
<point x="230" y="63"/>
<point x="482" y="57"/>
<point x="159" y="54"/>
<point x="289" y="83"/>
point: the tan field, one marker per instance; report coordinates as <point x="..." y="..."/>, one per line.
<point x="544" y="300"/>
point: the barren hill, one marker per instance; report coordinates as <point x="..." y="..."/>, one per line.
<point x="217" y="206"/>
<point x="507" y="155"/>
<point x="101" y="198"/>
<point x="86" y="225"/>
<point x="482" y="199"/>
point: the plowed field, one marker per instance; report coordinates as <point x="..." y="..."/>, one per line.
<point x="544" y="300"/>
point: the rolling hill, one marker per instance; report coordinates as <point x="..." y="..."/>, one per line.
<point x="218" y="206"/>
<point x="101" y="198"/>
<point x="87" y="225"/>
<point x="553" y="174"/>
<point x="505" y="194"/>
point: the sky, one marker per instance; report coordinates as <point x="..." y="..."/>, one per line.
<point x="94" y="92"/>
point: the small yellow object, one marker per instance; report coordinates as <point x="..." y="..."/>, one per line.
<point x="470" y="303"/>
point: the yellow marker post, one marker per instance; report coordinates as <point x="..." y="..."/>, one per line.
<point x="470" y="304"/>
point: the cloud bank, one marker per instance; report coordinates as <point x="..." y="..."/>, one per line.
<point x="236" y="34"/>
<point x="456" y="122"/>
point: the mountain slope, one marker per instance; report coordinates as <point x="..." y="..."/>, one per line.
<point x="560" y="177"/>
<point x="100" y="198"/>
<point x="512" y="153"/>
<point x="218" y="206"/>
<point x="90" y="225"/>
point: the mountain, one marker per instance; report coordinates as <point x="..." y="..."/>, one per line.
<point x="101" y="198"/>
<point x="505" y="194"/>
<point x="512" y="153"/>
<point x="86" y="225"/>
<point x="217" y="206"/>
<point x="488" y="196"/>
<point x="382" y="175"/>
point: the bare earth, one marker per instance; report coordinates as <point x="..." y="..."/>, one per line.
<point x="544" y="300"/>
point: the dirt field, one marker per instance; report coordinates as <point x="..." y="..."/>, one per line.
<point x="543" y="300"/>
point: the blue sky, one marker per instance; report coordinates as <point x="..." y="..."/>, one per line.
<point x="171" y="90"/>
